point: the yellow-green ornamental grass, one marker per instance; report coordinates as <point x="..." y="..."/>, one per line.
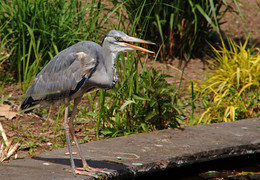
<point x="232" y="88"/>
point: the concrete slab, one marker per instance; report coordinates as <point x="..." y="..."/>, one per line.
<point x="134" y="155"/>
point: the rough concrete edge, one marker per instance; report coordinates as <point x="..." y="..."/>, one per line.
<point x="175" y="162"/>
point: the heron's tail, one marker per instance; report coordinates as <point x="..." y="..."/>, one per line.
<point x="28" y="103"/>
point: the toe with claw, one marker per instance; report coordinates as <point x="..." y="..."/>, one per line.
<point x="97" y="173"/>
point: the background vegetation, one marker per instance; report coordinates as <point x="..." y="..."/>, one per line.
<point x="181" y="27"/>
<point x="33" y="31"/>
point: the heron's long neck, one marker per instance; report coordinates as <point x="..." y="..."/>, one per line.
<point x="109" y="61"/>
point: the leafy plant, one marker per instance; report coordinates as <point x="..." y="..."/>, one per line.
<point x="139" y="102"/>
<point x="232" y="88"/>
<point x="44" y="139"/>
<point x="157" y="99"/>
<point x="30" y="145"/>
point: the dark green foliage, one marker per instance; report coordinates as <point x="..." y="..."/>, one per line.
<point x="182" y="27"/>
<point x="158" y="100"/>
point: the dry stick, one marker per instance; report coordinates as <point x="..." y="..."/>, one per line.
<point x="10" y="153"/>
<point x="9" y="150"/>
<point x="2" y="152"/>
<point x="1" y="148"/>
<point x="8" y="146"/>
<point x="4" y="135"/>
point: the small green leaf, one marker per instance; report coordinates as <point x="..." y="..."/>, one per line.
<point x="127" y="102"/>
<point x="106" y="131"/>
<point x="142" y="98"/>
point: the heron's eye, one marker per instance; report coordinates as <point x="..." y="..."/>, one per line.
<point x="117" y="38"/>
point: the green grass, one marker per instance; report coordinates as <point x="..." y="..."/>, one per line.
<point x="33" y="31"/>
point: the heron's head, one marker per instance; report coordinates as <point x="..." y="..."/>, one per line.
<point x="117" y="41"/>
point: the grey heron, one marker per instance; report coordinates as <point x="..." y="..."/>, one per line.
<point x="74" y="71"/>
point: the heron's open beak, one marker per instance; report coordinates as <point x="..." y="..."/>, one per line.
<point x="128" y="40"/>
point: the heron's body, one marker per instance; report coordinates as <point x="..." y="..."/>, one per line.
<point x="71" y="73"/>
<point x="76" y="70"/>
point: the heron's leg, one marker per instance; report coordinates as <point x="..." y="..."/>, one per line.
<point x="86" y="167"/>
<point x="73" y="114"/>
<point x="67" y="133"/>
<point x="66" y="126"/>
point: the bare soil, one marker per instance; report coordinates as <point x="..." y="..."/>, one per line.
<point x="38" y="134"/>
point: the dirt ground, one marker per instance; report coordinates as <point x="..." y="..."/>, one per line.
<point x="39" y="134"/>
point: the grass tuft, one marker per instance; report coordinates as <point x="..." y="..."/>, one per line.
<point x="33" y="32"/>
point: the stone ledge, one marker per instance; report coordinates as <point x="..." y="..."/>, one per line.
<point x="145" y="153"/>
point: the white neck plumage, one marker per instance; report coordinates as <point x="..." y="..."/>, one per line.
<point x="109" y="62"/>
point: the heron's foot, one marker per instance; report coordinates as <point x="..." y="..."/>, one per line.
<point x="86" y="173"/>
<point x="94" y="172"/>
<point x="97" y="170"/>
<point x="82" y="172"/>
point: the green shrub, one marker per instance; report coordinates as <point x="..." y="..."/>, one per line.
<point x="232" y="88"/>
<point x="182" y="27"/>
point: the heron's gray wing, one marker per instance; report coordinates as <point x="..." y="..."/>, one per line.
<point x="62" y="77"/>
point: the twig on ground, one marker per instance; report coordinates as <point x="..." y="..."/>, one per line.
<point x="8" y="151"/>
